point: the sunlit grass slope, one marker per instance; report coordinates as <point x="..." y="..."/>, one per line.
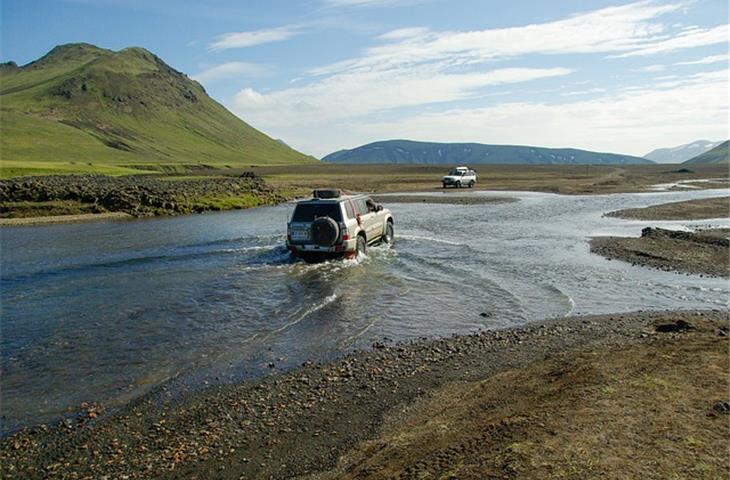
<point x="82" y="108"/>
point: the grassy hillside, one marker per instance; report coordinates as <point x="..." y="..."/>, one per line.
<point x="718" y="155"/>
<point x="406" y="151"/>
<point x="82" y="108"/>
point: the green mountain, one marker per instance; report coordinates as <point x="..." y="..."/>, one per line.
<point x="406" y="151"/>
<point x="718" y="155"/>
<point x="83" y="108"/>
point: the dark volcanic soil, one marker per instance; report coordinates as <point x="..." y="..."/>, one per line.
<point x="704" y="252"/>
<point x="141" y="195"/>
<point x="302" y="422"/>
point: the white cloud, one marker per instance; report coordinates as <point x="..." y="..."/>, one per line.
<point x="651" y="68"/>
<point x="419" y="71"/>
<point x="367" y="3"/>
<point x="583" y="92"/>
<point x="253" y="37"/>
<point x="633" y="121"/>
<point x="609" y="30"/>
<point x="314" y="118"/>
<point x="252" y="99"/>
<point x="707" y="60"/>
<point x="626" y="30"/>
<point x="402" y="33"/>
<point x="356" y="94"/>
<point x="687" y="39"/>
<point x="230" y="69"/>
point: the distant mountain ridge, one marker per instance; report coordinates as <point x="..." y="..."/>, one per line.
<point x="407" y="151"/>
<point x="718" y="155"/>
<point x="681" y="153"/>
<point x="80" y="103"/>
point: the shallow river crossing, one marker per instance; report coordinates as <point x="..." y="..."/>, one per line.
<point x="108" y="311"/>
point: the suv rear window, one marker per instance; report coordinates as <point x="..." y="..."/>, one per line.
<point x="307" y="212"/>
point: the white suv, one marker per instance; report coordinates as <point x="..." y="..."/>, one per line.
<point x="332" y="224"/>
<point x="460" y="177"/>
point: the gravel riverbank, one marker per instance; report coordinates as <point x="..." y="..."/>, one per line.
<point x="303" y="421"/>
<point x="718" y="207"/>
<point x="705" y="252"/>
<point x="84" y="217"/>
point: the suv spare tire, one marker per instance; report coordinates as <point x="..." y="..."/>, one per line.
<point x="325" y="231"/>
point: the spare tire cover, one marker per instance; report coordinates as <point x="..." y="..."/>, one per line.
<point x="325" y="231"/>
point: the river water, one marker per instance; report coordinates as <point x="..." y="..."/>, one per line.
<point x="108" y="311"/>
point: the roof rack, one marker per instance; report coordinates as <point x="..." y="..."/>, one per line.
<point x="325" y="193"/>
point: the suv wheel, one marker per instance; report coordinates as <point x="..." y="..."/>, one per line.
<point x="458" y="185"/>
<point x="361" y="245"/>
<point x="471" y="184"/>
<point x="388" y="237"/>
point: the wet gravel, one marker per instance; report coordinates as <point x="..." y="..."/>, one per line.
<point x="298" y="422"/>
<point x="718" y="207"/>
<point x="705" y="252"/>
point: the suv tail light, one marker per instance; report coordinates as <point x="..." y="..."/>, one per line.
<point x="345" y="232"/>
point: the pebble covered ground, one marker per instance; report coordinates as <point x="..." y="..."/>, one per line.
<point x="299" y="422"/>
<point x="705" y="252"/>
<point x="718" y="207"/>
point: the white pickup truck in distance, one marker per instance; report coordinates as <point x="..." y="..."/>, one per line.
<point x="460" y="177"/>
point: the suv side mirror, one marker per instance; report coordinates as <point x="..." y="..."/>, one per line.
<point x="379" y="208"/>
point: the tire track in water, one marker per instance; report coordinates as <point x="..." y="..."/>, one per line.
<point x="178" y="254"/>
<point x="301" y="315"/>
<point x="461" y="278"/>
<point x="385" y="309"/>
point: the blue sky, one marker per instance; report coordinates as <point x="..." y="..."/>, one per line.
<point x="323" y="75"/>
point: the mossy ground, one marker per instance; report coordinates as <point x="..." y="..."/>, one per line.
<point x="643" y="411"/>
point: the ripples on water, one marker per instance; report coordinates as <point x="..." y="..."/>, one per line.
<point x="106" y="311"/>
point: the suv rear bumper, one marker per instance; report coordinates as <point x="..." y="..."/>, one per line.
<point x="348" y="246"/>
